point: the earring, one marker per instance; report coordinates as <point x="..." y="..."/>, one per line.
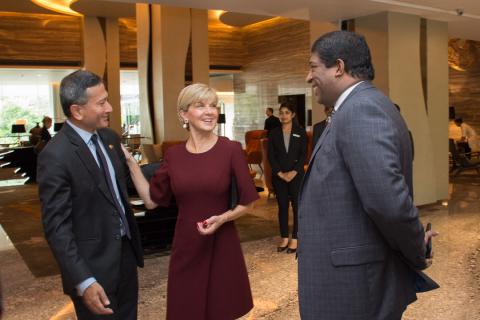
<point x="185" y="124"/>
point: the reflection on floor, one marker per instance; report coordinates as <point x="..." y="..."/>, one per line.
<point x="5" y="243"/>
<point x="33" y="290"/>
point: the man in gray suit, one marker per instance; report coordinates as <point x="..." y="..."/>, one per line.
<point x="361" y="244"/>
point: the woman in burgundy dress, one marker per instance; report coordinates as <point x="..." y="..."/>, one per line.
<point x="207" y="275"/>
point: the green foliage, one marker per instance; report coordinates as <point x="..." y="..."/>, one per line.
<point x="133" y="118"/>
<point x="12" y="112"/>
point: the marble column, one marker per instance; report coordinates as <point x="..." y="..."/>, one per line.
<point x="164" y="36"/>
<point x="411" y="68"/>
<point x="58" y="115"/>
<point x="101" y="52"/>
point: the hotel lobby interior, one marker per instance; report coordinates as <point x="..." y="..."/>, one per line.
<point x="255" y="54"/>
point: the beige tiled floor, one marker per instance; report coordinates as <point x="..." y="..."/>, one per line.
<point x="273" y="275"/>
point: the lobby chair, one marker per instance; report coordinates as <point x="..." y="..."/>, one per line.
<point x="460" y="161"/>
<point x="267" y="169"/>
<point x="150" y="153"/>
<point x="154" y="152"/>
<point x="156" y="226"/>
<point x="253" y="147"/>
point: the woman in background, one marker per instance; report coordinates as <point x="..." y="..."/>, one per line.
<point x="207" y="276"/>
<point x="287" y="149"/>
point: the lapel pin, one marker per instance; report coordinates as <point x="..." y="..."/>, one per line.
<point x="110" y="146"/>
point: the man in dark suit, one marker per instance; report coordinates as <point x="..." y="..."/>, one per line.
<point x="271" y="122"/>
<point x="88" y="222"/>
<point x="361" y="243"/>
<point x="320" y="126"/>
<point x="409" y="134"/>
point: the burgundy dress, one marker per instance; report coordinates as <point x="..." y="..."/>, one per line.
<point x="207" y="276"/>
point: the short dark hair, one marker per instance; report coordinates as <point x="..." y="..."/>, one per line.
<point x="348" y="46"/>
<point x="451" y="112"/>
<point x="270" y="109"/>
<point x="73" y="88"/>
<point x="458" y="120"/>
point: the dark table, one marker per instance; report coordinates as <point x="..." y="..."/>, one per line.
<point x="23" y="158"/>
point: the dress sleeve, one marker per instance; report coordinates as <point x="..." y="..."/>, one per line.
<point x="247" y="193"/>
<point x="160" y="190"/>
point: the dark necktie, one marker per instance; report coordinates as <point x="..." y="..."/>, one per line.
<point x="108" y="178"/>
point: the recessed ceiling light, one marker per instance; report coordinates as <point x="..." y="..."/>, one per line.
<point x="61" y="6"/>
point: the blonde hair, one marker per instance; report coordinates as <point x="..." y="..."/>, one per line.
<point x="195" y="93"/>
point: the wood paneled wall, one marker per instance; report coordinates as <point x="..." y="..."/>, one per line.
<point x="276" y="64"/>
<point x="40" y="39"/>
<point x="226" y="45"/>
<point x="464" y="85"/>
<point x="54" y="40"/>
<point x="128" y="41"/>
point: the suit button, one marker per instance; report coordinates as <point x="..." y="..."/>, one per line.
<point x="117" y="237"/>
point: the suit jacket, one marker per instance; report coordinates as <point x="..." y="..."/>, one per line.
<point x="360" y="238"/>
<point x="318" y="130"/>
<point x="281" y="160"/>
<point x="271" y="123"/>
<point x="81" y="223"/>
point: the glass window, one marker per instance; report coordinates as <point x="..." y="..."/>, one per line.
<point x="26" y="96"/>
<point x="130" y="101"/>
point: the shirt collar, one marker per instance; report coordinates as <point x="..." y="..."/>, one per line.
<point x="344" y="95"/>
<point x="85" y="135"/>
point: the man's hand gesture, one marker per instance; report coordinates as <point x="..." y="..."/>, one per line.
<point x="96" y="300"/>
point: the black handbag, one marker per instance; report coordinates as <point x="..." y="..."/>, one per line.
<point x="233" y="193"/>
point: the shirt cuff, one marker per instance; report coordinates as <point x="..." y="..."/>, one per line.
<point x="82" y="286"/>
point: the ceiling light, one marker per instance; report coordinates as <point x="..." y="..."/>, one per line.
<point x="60" y="6"/>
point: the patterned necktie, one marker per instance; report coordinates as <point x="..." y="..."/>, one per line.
<point x="329" y="117"/>
<point x="108" y="178"/>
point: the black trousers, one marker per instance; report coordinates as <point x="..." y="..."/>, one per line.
<point x="124" y="300"/>
<point x="287" y="192"/>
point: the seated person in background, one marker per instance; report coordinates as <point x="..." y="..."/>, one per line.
<point x="44" y="133"/>
<point x="271" y="122"/>
<point x="468" y="135"/>
<point x="454" y="131"/>
<point x="35" y="134"/>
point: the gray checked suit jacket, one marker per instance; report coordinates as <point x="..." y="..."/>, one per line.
<point x="360" y="239"/>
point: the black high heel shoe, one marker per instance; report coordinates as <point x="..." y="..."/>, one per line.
<point x="281" y="249"/>
<point x="290" y="250"/>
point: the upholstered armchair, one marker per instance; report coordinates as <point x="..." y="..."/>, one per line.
<point x="253" y="146"/>
<point x="462" y="161"/>
<point x="267" y="169"/>
<point x="154" y="152"/>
